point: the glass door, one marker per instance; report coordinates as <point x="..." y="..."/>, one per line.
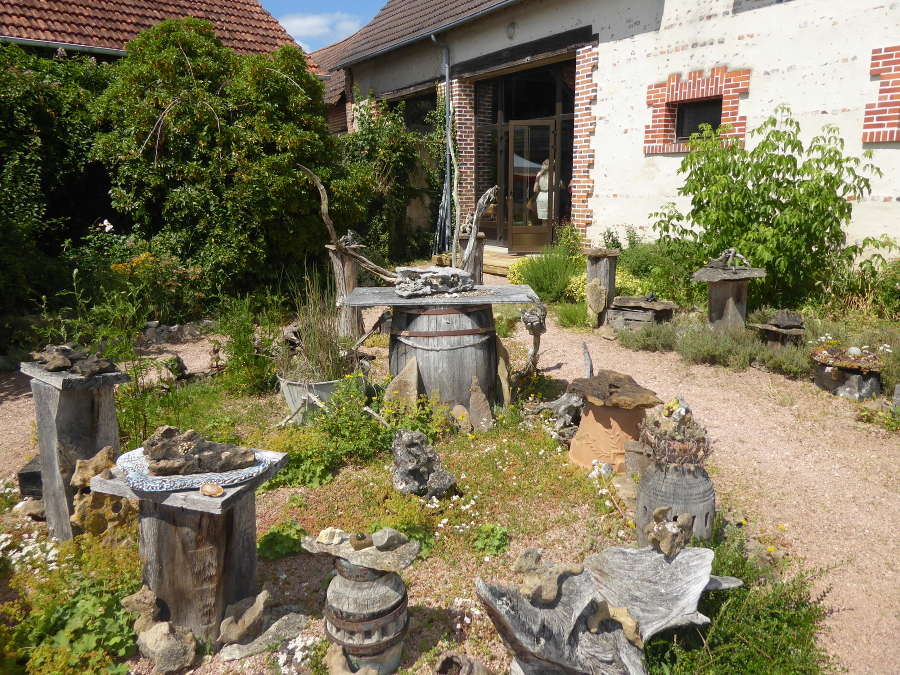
<point x="532" y="184"/>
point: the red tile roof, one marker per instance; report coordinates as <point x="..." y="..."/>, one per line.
<point x="326" y="59"/>
<point x="402" y="21"/>
<point x="242" y="25"/>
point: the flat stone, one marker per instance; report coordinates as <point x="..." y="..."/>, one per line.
<point x="613" y="389"/>
<point x="286" y="628"/>
<point x="404" y="389"/>
<point x="603" y="253"/>
<point x="626" y="488"/>
<point x="30" y="508"/>
<point x="332" y="535"/>
<point x="170" y="452"/>
<point x="642" y="303"/>
<point x="713" y="274"/>
<point x="94" y="365"/>
<point x="479" y="408"/>
<point x="387" y="561"/>
<point x="896" y="399"/>
<point x="69" y="380"/>
<point x="56" y="363"/>
<point x="784" y="318"/>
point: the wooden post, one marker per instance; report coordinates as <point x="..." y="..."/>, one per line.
<point x="728" y="304"/>
<point x="350" y="322"/>
<point x="476" y="264"/>
<point x="199" y="563"/>
<point x="601" y="265"/>
<point x="76" y="418"/>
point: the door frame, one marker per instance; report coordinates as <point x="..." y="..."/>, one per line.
<point x="529" y="238"/>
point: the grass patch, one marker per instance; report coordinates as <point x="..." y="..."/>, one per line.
<point x="571" y="314"/>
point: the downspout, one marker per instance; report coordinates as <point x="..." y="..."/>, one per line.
<point x="442" y="234"/>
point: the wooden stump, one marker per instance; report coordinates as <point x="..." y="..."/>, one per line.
<point x="198" y="563"/>
<point x="728" y="304"/>
<point x="350" y="322"/>
<point x="476" y="264"/>
<point x="687" y="489"/>
<point x="76" y="418"/>
<point x="601" y="265"/>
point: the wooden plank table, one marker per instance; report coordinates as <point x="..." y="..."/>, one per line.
<point x="198" y="553"/>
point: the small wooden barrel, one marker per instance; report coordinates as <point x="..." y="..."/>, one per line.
<point x="365" y="613"/>
<point x="450" y="344"/>
<point x="687" y="489"/>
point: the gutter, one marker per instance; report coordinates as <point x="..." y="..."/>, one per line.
<point x="68" y="46"/>
<point x="424" y="36"/>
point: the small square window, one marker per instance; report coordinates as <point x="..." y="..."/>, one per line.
<point x="692" y="114"/>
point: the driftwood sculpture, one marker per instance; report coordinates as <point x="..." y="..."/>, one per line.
<point x="598" y="623"/>
<point x="535" y="321"/>
<point x="488" y="198"/>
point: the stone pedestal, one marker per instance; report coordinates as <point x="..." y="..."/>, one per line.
<point x="76" y="418"/>
<point x="198" y="553"/>
<point x="728" y="288"/>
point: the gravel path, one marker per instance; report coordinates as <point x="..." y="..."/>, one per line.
<point x="824" y="486"/>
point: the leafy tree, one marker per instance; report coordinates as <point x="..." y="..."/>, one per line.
<point x="379" y="174"/>
<point x="782" y="204"/>
<point x="203" y="144"/>
<point x="45" y="135"/>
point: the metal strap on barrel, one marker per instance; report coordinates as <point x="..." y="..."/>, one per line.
<point x="443" y="333"/>
<point x="425" y="348"/>
<point x="363" y="626"/>
<point x="442" y="311"/>
<point x="372" y="649"/>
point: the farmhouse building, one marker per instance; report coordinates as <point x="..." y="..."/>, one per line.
<point x="103" y="27"/>
<point x="590" y="101"/>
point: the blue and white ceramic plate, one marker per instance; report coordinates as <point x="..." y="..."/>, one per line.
<point x="137" y="474"/>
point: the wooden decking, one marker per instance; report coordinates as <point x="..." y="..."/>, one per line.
<point x="497" y="260"/>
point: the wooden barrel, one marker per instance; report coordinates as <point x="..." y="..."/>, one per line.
<point x="365" y="613"/>
<point x="450" y="345"/>
<point x="687" y="489"/>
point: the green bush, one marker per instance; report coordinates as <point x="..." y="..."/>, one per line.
<point x="736" y="348"/>
<point x="281" y="540"/>
<point x="662" y="266"/>
<point x="571" y="314"/>
<point x="250" y="338"/>
<point x="782" y="204"/>
<point x="660" y="337"/>
<point x="886" y="299"/>
<point x="764" y="627"/>
<point x="491" y="538"/>
<point x="549" y="273"/>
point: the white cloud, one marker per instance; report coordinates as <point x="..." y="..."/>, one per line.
<point x="314" y="31"/>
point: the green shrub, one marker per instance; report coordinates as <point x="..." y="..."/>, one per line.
<point x="576" y="289"/>
<point x="886" y="299"/>
<point x="491" y="539"/>
<point x="660" y="337"/>
<point x="407" y="514"/>
<point x="514" y="273"/>
<point x="735" y="349"/>
<point x="250" y="338"/>
<point x="664" y="267"/>
<point x="281" y="540"/>
<point x="571" y="314"/>
<point x="764" y="627"/>
<point x="548" y="274"/>
<point x="782" y="204"/>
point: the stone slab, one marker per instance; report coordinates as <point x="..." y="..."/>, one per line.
<point x="64" y="380"/>
<point x="386" y="561"/>
<point x="493" y="295"/>
<point x="643" y="303"/>
<point x="778" y="329"/>
<point x="30" y="483"/>
<point x="712" y="274"/>
<point x="191" y="499"/>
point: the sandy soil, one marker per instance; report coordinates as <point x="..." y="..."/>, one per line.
<point x="794" y="458"/>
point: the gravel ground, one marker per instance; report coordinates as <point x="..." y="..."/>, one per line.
<point x="822" y="485"/>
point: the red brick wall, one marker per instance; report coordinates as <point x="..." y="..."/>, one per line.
<point x="337" y="118"/>
<point x="882" y="120"/>
<point x="462" y="98"/>
<point x="582" y="187"/>
<point x="659" y="135"/>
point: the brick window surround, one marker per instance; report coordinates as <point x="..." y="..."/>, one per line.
<point x="659" y="136"/>
<point x="582" y="187"/>
<point x="881" y="123"/>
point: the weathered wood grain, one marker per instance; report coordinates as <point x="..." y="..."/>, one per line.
<point x="601" y="265"/>
<point x="727" y="304"/>
<point x="387" y="297"/>
<point x="475" y="264"/>
<point x="350" y="323"/>
<point x="199" y="563"/>
<point x="73" y="424"/>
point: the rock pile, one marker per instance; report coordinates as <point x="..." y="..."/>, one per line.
<point x="415" y="282"/>
<point x="170" y="452"/>
<point x="73" y="358"/>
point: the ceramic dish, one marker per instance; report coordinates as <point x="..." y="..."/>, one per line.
<point x="137" y="474"/>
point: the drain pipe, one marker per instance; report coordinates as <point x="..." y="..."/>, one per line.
<point x="442" y="235"/>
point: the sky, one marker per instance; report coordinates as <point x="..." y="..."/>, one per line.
<point x="316" y="24"/>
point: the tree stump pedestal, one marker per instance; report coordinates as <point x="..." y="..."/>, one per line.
<point x="76" y="418"/>
<point x="601" y="265"/>
<point x="198" y="553"/>
<point x="728" y="288"/>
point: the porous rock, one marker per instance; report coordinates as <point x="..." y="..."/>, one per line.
<point x="331" y="535"/>
<point x="144" y="603"/>
<point x="85" y="469"/>
<point x="454" y="663"/>
<point x="30" y="508"/>
<point x="102" y="515"/>
<point x="244" y="619"/>
<point x="595" y="297"/>
<point x="94" y="365"/>
<point x="669" y="537"/>
<point x="415" y="282"/>
<point x="479" y="408"/>
<point x="286" y="628"/>
<point x="417" y="466"/>
<point x="404" y="389"/>
<point x="336" y="662"/>
<point x="170" y="647"/>
<point x="541" y="580"/>
<point x="171" y="452"/>
<point x="621" y="614"/>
